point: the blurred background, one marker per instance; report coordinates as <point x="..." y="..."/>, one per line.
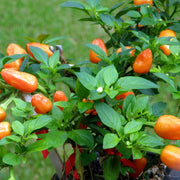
<point x="26" y="18"/>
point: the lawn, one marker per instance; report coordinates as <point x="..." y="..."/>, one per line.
<point x="26" y="18"/>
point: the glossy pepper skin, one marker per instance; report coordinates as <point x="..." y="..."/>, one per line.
<point x="143" y="62"/>
<point x="140" y="2"/>
<point x="170" y="156"/>
<point x="2" y="114"/>
<point x="168" y="127"/>
<point x="23" y="81"/>
<point x="11" y="50"/>
<point x="93" y="55"/>
<point x="42" y="104"/>
<point x="127" y="47"/>
<point x="166" y="33"/>
<point x="44" y="47"/>
<point x="5" y="129"/>
<point x="60" y="96"/>
<point x="139" y="165"/>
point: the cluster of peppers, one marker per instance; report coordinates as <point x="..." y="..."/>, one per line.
<point x="167" y="126"/>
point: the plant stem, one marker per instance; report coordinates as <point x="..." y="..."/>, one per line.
<point x="149" y="123"/>
<point x="148" y="149"/>
<point x="11" y="173"/>
<point x="41" y="88"/>
<point x="113" y="39"/>
<point x="5" y="104"/>
<point x="167" y="7"/>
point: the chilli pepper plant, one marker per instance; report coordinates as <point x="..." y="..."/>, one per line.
<point x="99" y="112"/>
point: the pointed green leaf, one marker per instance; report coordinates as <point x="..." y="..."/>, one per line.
<point x="110" y="140"/>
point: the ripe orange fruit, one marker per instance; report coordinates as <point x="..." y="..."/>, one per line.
<point x="44" y="47"/>
<point x="2" y="114"/>
<point x="42" y="104"/>
<point x="166" y="33"/>
<point x="60" y="96"/>
<point x="5" y="129"/>
<point x="127" y="47"/>
<point x="140" y="2"/>
<point x="11" y="50"/>
<point x="143" y="62"/>
<point x="93" y="55"/>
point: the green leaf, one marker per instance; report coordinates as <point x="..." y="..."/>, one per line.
<point x="54" y="60"/>
<point x="133" y="13"/>
<point x="116" y="6"/>
<point x="128" y="105"/>
<point x="13" y="138"/>
<point x="80" y="90"/>
<point x="24" y="63"/>
<point x="110" y="70"/>
<point x="108" y="115"/>
<point x="87" y="80"/>
<point x="130" y="82"/>
<point x="95" y="95"/>
<point x="63" y="104"/>
<point x="82" y="106"/>
<point x="141" y="36"/>
<point x="111" y="168"/>
<point x="165" y="78"/>
<point x="149" y="140"/>
<point x="82" y="137"/>
<point x="12" y="159"/>
<point x="71" y="82"/>
<point x="107" y="19"/>
<point x="18" y="127"/>
<point x="52" y="139"/>
<point x="87" y="158"/>
<point x="57" y="114"/>
<point x="99" y="51"/>
<point x="42" y="37"/>
<point x="122" y="148"/>
<point x="93" y="3"/>
<point x="141" y="104"/>
<point x="37" y="123"/>
<point x="136" y="153"/>
<point x="175" y="27"/>
<point x="73" y="4"/>
<point x="110" y="140"/>
<point x="132" y="127"/>
<point x="158" y="108"/>
<point x="48" y="41"/>
<point x="147" y="21"/>
<point x="39" y="54"/>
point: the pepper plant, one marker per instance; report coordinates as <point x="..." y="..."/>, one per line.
<point x="99" y="112"/>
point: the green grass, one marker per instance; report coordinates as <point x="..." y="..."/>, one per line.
<point x="21" y="18"/>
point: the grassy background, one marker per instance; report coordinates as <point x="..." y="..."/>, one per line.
<point x="24" y="18"/>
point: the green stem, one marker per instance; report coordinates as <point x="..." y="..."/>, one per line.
<point x="5" y="104"/>
<point x="11" y="173"/>
<point x="149" y="123"/>
<point x="148" y="149"/>
<point x="167" y="7"/>
<point x="113" y="39"/>
<point x="41" y="88"/>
